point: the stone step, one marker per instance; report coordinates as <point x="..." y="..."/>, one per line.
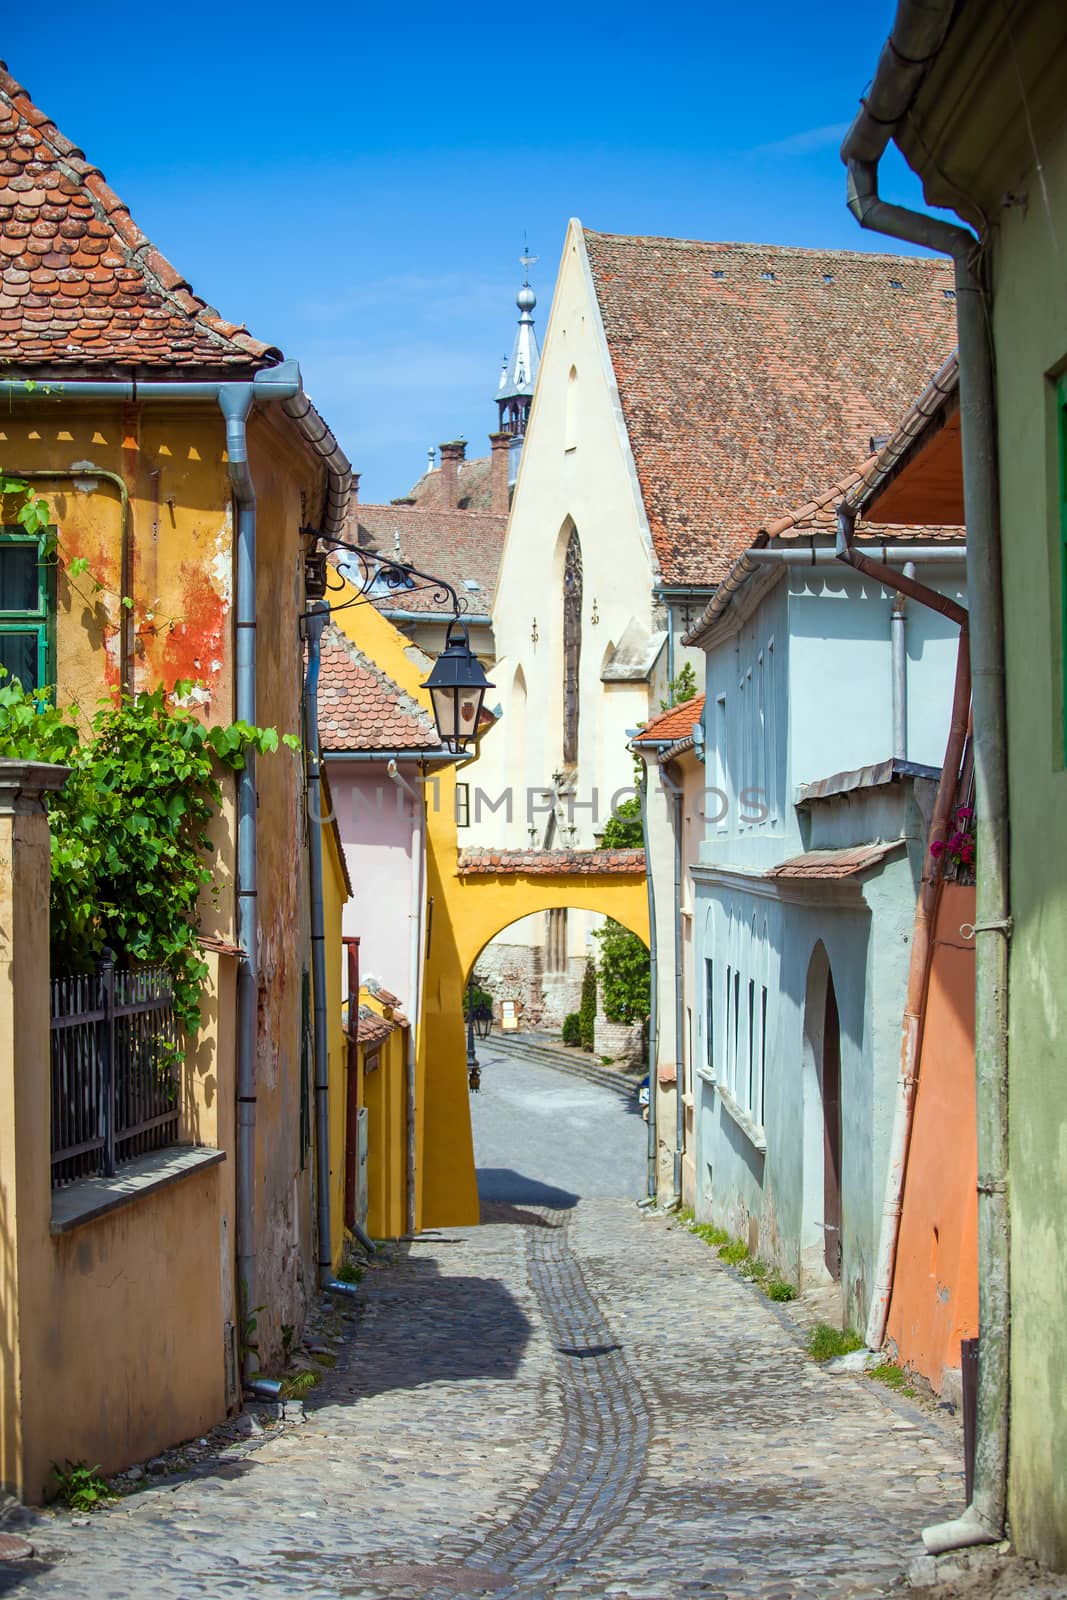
<point x="562" y="1059"/>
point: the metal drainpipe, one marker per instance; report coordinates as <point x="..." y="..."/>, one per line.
<point x="653" y="1009"/>
<point x="414" y="990"/>
<point x="677" y="795"/>
<point x="897" y="629"/>
<point x="314" y="623"/>
<point x="918" y="32"/>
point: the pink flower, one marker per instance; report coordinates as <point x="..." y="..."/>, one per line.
<point x="938" y="847"/>
<point x="965" y="813"/>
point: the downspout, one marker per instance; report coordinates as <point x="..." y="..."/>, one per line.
<point x="235" y="402"/>
<point x="922" y="931"/>
<point x="653" y="978"/>
<point x="677" y="795"/>
<point x="314" y="623"/>
<point x="898" y="642"/>
<point x="414" y="979"/>
<point x="917" y="35"/>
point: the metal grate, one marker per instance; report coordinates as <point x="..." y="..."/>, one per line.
<point x="115" y="1066"/>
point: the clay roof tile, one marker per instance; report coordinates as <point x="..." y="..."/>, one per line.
<point x="742" y="390"/>
<point x="82" y="230"/>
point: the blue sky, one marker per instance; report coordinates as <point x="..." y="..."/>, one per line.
<point x="354" y="183"/>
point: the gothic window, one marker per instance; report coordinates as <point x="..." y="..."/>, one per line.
<point x="572" y="646"/>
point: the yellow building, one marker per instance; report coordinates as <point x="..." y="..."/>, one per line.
<point x="179" y="459"/>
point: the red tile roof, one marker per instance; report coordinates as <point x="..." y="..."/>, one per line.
<point x="361" y="708"/>
<point x="835" y="863"/>
<point x="751" y="376"/>
<point x="81" y="288"/>
<point x="674" y="724"/>
<point x="551" y="863"/>
<point x="463" y="547"/>
<point x="475" y="487"/>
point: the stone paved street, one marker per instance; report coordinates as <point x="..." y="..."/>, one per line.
<point x="573" y="1401"/>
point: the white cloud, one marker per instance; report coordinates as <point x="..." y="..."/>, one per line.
<point x="801" y="144"/>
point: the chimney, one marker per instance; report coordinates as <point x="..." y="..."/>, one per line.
<point x="499" y="470"/>
<point x="353" y="493"/>
<point x="451" y="456"/>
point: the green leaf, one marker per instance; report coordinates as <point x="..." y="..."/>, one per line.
<point x="77" y="566"/>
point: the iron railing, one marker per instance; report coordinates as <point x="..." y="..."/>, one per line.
<point x="115" y="1067"/>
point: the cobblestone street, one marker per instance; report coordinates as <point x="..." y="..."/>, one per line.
<point x="574" y="1402"/>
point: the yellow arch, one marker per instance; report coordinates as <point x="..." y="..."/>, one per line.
<point x="489" y="904"/>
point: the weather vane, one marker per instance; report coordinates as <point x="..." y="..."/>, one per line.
<point x="526" y="260"/>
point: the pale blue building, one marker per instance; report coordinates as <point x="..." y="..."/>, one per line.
<point x="826" y="716"/>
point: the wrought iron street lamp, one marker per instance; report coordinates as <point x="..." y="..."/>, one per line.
<point x="457" y="688"/>
<point x="457" y="683"/>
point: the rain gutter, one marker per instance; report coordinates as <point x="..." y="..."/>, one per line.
<point x="919" y="30"/>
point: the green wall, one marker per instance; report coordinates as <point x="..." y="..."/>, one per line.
<point x="1030" y="332"/>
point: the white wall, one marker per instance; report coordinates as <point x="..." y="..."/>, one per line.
<point x="576" y="470"/>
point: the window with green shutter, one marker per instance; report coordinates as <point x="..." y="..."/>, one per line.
<point x="27" y="609"/>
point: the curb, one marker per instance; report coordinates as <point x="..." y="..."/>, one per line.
<point x="566" y="1061"/>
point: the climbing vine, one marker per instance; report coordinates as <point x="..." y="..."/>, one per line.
<point x="131" y="849"/>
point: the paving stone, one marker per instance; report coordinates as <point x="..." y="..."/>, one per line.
<point x="560" y="1405"/>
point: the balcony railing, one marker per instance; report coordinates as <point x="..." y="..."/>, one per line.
<point x="115" y="1066"/>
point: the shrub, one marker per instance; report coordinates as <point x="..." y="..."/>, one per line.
<point x="587" y="1009"/>
<point x="826" y="1343"/>
<point x="778" y="1289"/>
<point x="572" y="1028"/>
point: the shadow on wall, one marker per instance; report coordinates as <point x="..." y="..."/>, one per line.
<point x="501" y="1185"/>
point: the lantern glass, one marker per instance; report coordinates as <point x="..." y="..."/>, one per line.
<point x="457" y="688"/>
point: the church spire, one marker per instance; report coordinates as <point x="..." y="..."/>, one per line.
<point x="517" y="379"/>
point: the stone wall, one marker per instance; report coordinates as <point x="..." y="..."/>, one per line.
<point x="516" y="972"/>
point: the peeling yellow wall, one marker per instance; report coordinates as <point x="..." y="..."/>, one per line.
<point x="153" y="1283"/>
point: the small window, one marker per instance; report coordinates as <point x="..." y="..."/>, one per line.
<point x="463" y="805"/>
<point x="949" y="294"/>
<point x="762" y="1054"/>
<point x="768" y="277"/>
<point x="26" y="609"/>
<point x="709" y="1011"/>
<point x="895" y="283"/>
<point x="718" y="273"/>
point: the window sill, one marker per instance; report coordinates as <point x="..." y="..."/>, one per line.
<point x="84" y="1202"/>
<point x="752" y="1130"/>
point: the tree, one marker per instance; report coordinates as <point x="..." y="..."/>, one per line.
<point x="587" y="1008"/>
<point x="624" y="830"/>
<point x="625" y="974"/>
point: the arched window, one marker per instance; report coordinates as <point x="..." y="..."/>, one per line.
<point x="572" y="646"/>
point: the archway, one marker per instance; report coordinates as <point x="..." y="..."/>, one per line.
<point x="555" y="1112"/>
<point x="820" y="1261"/>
